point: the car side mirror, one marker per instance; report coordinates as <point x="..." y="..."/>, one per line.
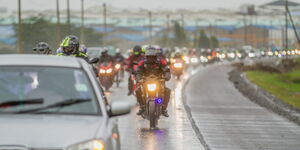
<point x="119" y="108"/>
<point x="93" y="60"/>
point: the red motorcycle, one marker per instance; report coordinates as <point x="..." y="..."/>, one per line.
<point x="106" y="75"/>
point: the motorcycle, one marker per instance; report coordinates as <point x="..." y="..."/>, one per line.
<point x="194" y="61"/>
<point x="106" y="75"/>
<point x="177" y="68"/>
<point x="152" y="89"/>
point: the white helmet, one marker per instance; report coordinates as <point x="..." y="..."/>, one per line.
<point x="151" y="51"/>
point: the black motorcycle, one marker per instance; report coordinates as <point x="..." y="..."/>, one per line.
<point x="153" y="92"/>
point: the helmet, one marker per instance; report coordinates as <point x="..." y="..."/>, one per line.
<point x="42" y="48"/>
<point x="118" y="50"/>
<point x="70" y="45"/>
<point x="83" y="48"/>
<point x="144" y="48"/>
<point x="137" y="50"/>
<point x="151" y="51"/>
<point x="159" y="51"/>
<point x="151" y="54"/>
<point x="104" y="51"/>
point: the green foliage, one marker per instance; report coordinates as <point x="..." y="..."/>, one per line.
<point x="285" y="86"/>
<point x="204" y="41"/>
<point x="164" y="41"/>
<point x="37" y="29"/>
<point x="214" y="43"/>
<point x="180" y="37"/>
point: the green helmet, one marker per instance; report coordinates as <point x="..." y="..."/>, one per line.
<point x="70" y="45"/>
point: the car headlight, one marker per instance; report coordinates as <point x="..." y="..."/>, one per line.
<point x="89" y="145"/>
<point x="151" y="87"/>
<point x="109" y="70"/>
<point x="178" y="65"/>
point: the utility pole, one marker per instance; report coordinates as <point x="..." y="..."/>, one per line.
<point x="58" y="33"/>
<point x="168" y="29"/>
<point x="245" y="30"/>
<point x="104" y="21"/>
<point x="182" y="21"/>
<point x="150" y="26"/>
<point x="68" y="16"/>
<point x="82" y="22"/>
<point x="286" y="25"/>
<point x="20" y="30"/>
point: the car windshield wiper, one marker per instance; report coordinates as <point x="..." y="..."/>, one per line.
<point x="64" y="103"/>
<point x="13" y="103"/>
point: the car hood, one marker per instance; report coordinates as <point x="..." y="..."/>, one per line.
<point x="48" y="131"/>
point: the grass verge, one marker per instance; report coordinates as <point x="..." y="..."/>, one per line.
<point x="285" y="86"/>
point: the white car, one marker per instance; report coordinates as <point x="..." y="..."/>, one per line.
<point x="55" y="103"/>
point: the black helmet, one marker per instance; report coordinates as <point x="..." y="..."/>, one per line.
<point x="70" y="45"/>
<point x="137" y="50"/>
<point x="42" y="48"/>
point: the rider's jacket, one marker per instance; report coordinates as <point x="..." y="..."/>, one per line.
<point x="105" y="58"/>
<point x="159" y="67"/>
<point x="131" y="59"/>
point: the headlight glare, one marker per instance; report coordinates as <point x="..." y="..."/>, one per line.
<point x="89" y="145"/>
<point x="151" y="87"/>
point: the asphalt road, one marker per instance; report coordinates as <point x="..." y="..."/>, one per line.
<point x="174" y="133"/>
<point x="228" y="120"/>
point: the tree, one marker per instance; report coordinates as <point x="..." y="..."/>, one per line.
<point x="204" y="41"/>
<point x="164" y="40"/>
<point x="214" y="42"/>
<point x="37" y="29"/>
<point x="180" y="37"/>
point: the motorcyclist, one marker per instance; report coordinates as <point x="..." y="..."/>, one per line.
<point x="42" y="48"/>
<point x="130" y="63"/>
<point x="105" y="57"/>
<point x="83" y="49"/>
<point x="70" y="47"/>
<point x="118" y="56"/>
<point x="153" y="65"/>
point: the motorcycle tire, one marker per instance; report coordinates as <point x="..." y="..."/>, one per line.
<point x="153" y="118"/>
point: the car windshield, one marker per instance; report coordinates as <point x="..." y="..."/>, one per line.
<point x="46" y="90"/>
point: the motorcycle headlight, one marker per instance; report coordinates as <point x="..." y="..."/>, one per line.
<point x="102" y="71"/>
<point x="178" y="65"/>
<point x="194" y="60"/>
<point x="151" y="87"/>
<point x="89" y="145"/>
<point x="109" y="70"/>
<point x="118" y="66"/>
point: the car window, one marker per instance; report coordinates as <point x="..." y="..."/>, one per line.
<point x="19" y="86"/>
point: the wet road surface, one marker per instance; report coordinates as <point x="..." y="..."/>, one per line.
<point x="228" y="120"/>
<point x="174" y="133"/>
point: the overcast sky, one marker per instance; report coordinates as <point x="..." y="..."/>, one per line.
<point x="148" y="4"/>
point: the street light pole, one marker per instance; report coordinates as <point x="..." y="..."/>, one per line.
<point x="286" y="25"/>
<point x="182" y="21"/>
<point x="68" y="16"/>
<point x="58" y="33"/>
<point x="150" y="26"/>
<point x="168" y="29"/>
<point x="104" y="21"/>
<point x="20" y="30"/>
<point x="82" y="22"/>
